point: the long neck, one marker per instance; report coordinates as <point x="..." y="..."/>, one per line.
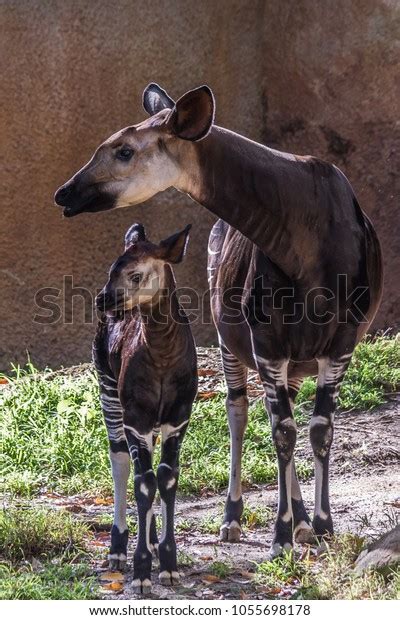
<point x="247" y="185"/>
<point x="161" y="322"/>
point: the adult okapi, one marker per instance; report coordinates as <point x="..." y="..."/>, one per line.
<point x="295" y="270"/>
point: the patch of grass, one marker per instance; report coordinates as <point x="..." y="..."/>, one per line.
<point x="52" y="432"/>
<point x="30" y="532"/>
<point x="52" y="429"/>
<point x="373" y="372"/>
<point x="220" y="569"/>
<point x="256" y="516"/>
<point x="329" y="577"/>
<point x="282" y="572"/>
<point x="185" y="560"/>
<point x="52" y="581"/>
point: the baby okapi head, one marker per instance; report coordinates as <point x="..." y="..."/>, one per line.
<point x="141" y="160"/>
<point x="138" y="275"/>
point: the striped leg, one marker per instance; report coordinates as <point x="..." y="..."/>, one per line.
<point x="167" y="479"/>
<point x="273" y="375"/>
<point x="120" y="466"/>
<point x="302" y="532"/>
<point x="330" y="376"/>
<point x="141" y="450"/>
<point x="237" y="406"/>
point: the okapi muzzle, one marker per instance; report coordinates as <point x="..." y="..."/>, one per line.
<point x="81" y="194"/>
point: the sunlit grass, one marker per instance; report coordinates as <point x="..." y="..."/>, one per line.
<point x="52" y="434"/>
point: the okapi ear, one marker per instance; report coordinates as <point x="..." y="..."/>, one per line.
<point x="134" y="234"/>
<point x="156" y="99"/>
<point x="193" y="114"/>
<point x="173" y="249"/>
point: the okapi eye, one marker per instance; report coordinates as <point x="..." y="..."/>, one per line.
<point x="125" y="154"/>
<point x="136" y="277"/>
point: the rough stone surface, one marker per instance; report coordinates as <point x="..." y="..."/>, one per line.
<point x="318" y="78"/>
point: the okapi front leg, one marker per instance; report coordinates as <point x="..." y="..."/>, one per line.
<point x="284" y="433"/>
<point x="167" y="479"/>
<point x="330" y="376"/>
<point x="237" y="407"/>
<point x="120" y="467"/>
<point x="140" y="448"/>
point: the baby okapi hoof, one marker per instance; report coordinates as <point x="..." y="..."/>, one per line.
<point x="230" y="532"/>
<point x="118" y="550"/>
<point x="169" y="578"/>
<point x="141" y="586"/>
<point x="277" y="550"/>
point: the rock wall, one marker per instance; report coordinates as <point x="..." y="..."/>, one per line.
<point x="309" y="77"/>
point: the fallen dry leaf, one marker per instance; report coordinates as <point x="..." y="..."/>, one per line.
<point x="246" y="573"/>
<point x="103" y="501"/>
<point x="206" y="372"/>
<point x="206" y="395"/>
<point x="210" y="579"/>
<point x="3" y="381"/>
<point x="115" y="586"/>
<point x="109" y="576"/>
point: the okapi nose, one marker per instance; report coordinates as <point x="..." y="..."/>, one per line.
<point x="62" y="194"/>
<point x="104" y="301"/>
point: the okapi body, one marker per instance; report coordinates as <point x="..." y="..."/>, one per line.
<point x="145" y="359"/>
<point x="294" y="267"/>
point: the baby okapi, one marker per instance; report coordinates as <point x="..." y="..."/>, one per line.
<point x="145" y="359"/>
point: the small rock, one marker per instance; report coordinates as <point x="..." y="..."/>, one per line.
<point x="383" y="553"/>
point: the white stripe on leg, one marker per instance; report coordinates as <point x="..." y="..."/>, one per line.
<point x="120" y="465"/>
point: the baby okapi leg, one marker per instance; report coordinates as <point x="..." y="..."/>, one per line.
<point x="330" y="376"/>
<point x="284" y="432"/>
<point x="140" y="448"/>
<point x="167" y="479"/>
<point x="120" y="467"/>
<point x="237" y="407"/>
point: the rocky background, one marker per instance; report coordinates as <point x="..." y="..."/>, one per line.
<point x="313" y="78"/>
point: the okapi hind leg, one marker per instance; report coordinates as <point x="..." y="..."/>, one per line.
<point x="330" y="375"/>
<point x="302" y="529"/>
<point x="273" y="374"/>
<point x="237" y="408"/>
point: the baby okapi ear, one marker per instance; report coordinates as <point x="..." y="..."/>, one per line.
<point x="173" y="249"/>
<point x="156" y="99"/>
<point x="193" y="114"/>
<point x="134" y="234"/>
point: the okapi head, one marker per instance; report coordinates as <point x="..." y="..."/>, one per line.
<point x="139" y="161"/>
<point x="138" y="275"/>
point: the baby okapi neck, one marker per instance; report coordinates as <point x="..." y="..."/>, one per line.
<point x="161" y="316"/>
